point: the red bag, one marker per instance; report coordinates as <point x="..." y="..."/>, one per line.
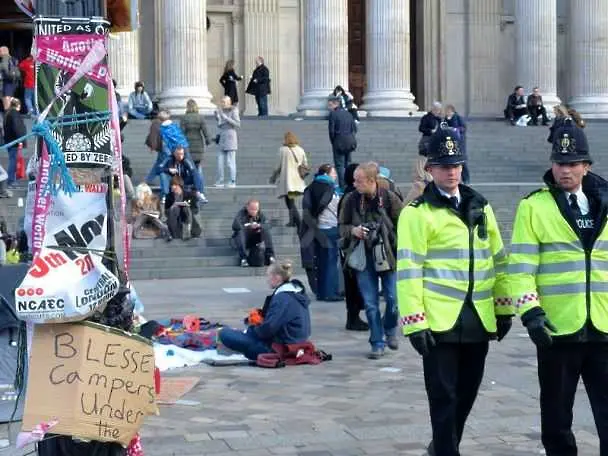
<point x="20" y="172"/>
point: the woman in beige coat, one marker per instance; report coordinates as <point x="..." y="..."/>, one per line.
<point x="287" y="177"/>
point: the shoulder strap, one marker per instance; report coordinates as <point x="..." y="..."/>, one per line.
<point x="293" y="154"/>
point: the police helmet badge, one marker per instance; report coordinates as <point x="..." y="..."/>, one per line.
<point x="450" y="146"/>
<point x="567" y="144"/>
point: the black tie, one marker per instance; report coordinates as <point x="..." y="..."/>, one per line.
<point x="454" y="202"/>
<point x="574" y="204"/>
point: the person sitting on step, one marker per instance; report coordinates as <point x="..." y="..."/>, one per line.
<point x="286" y="317"/>
<point x="251" y="236"/>
<point x="179" y="165"/>
<point x="180" y="208"/>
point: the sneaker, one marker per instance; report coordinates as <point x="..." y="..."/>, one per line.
<point x="376" y="353"/>
<point x="202" y="199"/>
<point x="392" y="342"/>
<point x="244" y="263"/>
<point x="231" y="185"/>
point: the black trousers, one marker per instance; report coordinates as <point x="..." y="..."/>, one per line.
<point x="536" y="112"/>
<point x="294" y="215"/>
<point x="515" y="113"/>
<point x="177" y="217"/>
<point x="452" y="375"/>
<point x="247" y="239"/>
<point x="559" y="369"/>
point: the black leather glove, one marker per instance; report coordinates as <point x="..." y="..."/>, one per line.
<point x="503" y="326"/>
<point x="422" y="341"/>
<point x="537" y="325"/>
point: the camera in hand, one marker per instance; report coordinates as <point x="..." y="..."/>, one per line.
<point x="373" y="232"/>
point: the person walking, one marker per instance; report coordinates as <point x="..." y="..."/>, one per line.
<point x="290" y="183"/>
<point x="14" y="128"/>
<point x="228" y="81"/>
<point x="10" y="76"/>
<point x="259" y="86"/>
<point x="452" y="289"/>
<point x="342" y="129"/>
<point x="195" y="129"/>
<point x="27" y="68"/>
<point x="558" y="273"/>
<point x="228" y="121"/>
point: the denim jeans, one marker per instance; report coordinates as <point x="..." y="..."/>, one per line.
<point x="368" y="286"/>
<point x="328" y="280"/>
<point x="155" y="170"/>
<point x="28" y="97"/>
<point x="165" y="184"/>
<point x="224" y="156"/>
<point x="246" y="343"/>
<point x="341" y="161"/>
<point x="262" y="102"/>
<point x="139" y="112"/>
<point x="12" y="164"/>
<point x="199" y="167"/>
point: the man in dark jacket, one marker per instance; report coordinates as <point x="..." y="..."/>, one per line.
<point x="342" y="130"/>
<point x="259" y="86"/>
<point x="180" y="208"/>
<point x="429" y="123"/>
<point x="14" y="128"/>
<point x="249" y="231"/>
<point x="516" y="105"/>
<point x="536" y="107"/>
<point x="179" y="165"/>
<point x="369" y="216"/>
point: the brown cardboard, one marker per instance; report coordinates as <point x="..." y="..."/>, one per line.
<point x="97" y="381"/>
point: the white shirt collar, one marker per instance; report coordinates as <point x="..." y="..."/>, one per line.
<point x="581" y="198"/>
<point x="447" y="195"/>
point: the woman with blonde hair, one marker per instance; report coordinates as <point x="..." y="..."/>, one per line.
<point x="146" y="212"/>
<point x="228" y="121"/>
<point x="561" y="113"/>
<point x="421" y="178"/>
<point x="290" y="184"/>
<point x="194" y="127"/>
<point x="285" y="316"/>
<point x="228" y="80"/>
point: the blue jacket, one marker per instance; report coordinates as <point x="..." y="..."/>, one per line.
<point x="186" y="169"/>
<point x="287" y="318"/>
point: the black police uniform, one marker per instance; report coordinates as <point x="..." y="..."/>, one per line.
<point x="584" y="353"/>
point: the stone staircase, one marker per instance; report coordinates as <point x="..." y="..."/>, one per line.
<point x="506" y="163"/>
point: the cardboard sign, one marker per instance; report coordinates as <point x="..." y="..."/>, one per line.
<point x="98" y="382"/>
<point x="61" y="44"/>
<point x="68" y="282"/>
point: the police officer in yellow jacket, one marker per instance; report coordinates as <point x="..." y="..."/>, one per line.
<point x="451" y="289"/>
<point x="558" y="274"/>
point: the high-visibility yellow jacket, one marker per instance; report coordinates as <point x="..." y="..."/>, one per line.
<point x="549" y="267"/>
<point x="441" y="260"/>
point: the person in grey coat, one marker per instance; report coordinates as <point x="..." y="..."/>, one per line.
<point x="228" y="121"/>
<point x="194" y="127"/>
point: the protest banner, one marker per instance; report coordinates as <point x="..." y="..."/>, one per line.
<point x="61" y="44"/>
<point x="96" y="381"/>
<point x="67" y="280"/>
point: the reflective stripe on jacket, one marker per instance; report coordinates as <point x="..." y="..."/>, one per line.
<point x="549" y="267"/>
<point x="437" y="268"/>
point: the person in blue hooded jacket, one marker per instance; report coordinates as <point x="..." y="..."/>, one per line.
<point x="286" y="317"/>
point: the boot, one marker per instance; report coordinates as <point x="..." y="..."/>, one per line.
<point x="163" y="216"/>
<point x="354" y="323"/>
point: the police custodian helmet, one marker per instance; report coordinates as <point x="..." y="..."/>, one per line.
<point x="444" y="148"/>
<point x="570" y="144"/>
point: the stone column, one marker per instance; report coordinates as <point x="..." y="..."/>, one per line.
<point x="325" y="62"/>
<point x="388" y="59"/>
<point x="589" y="57"/>
<point x="123" y="56"/>
<point x="184" y="55"/>
<point x="536" y="58"/>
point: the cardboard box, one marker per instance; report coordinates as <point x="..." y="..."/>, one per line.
<point x="97" y="381"/>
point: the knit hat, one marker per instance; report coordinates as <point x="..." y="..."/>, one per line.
<point x="570" y="144"/>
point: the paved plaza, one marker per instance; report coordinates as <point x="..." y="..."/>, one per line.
<point x="349" y="406"/>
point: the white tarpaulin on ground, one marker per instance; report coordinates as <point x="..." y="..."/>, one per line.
<point x="68" y="281"/>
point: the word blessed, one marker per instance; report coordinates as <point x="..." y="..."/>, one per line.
<point x="106" y="376"/>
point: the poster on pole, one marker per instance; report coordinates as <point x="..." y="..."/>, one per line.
<point x="61" y="44"/>
<point x="67" y="280"/>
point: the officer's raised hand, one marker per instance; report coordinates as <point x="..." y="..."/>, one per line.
<point x="422" y="341"/>
<point x="538" y="326"/>
<point x="503" y="326"/>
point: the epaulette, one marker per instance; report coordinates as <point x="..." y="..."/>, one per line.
<point x="538" y="190"/>
<point x="417" y="202"/>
